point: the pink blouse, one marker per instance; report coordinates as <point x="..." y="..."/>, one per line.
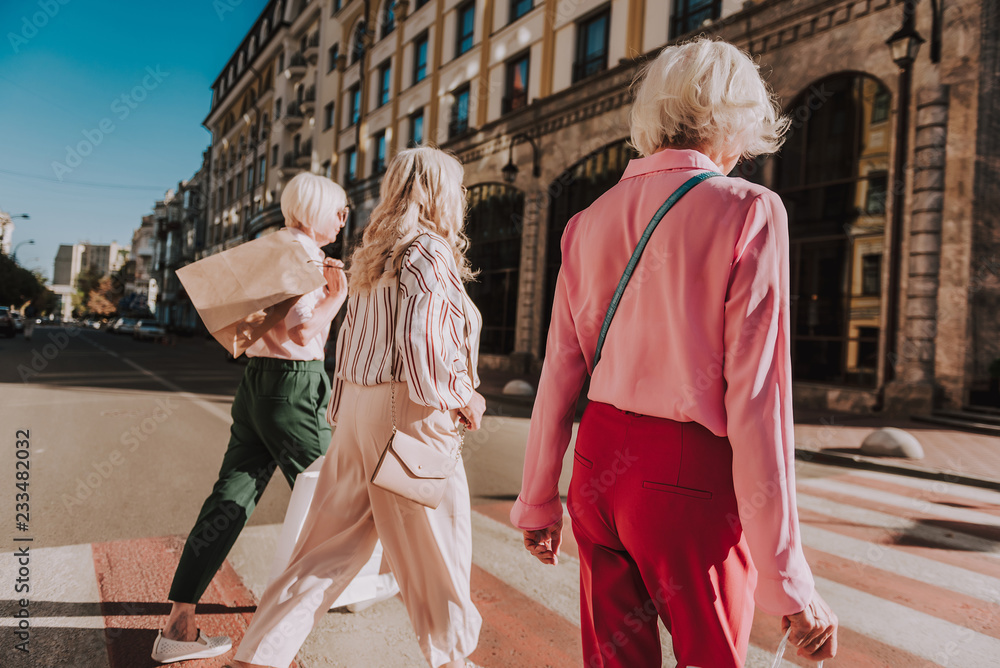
<point x="701" y="334"/>
<point x="437" y="333"/>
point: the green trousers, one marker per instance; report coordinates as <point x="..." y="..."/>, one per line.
<point x="279" y="421"/>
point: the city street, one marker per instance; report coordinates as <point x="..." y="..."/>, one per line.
<point x="126" y="438"/>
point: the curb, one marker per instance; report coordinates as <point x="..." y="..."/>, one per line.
<point x="870" y="464"/>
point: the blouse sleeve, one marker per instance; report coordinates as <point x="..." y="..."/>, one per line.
<point x="431" y="327"/>
<point x="758" y="403"/>
<point x="564" y="372"/>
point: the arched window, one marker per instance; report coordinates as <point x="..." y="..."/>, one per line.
<point x="832" y="174"/>
<point x="388" y="17"/>
<point x="496" y="212"/>
<point x="573" y="191"/>
<point x="358" y="45"/>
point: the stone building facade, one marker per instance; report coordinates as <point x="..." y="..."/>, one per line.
<point x="533" y="96"/>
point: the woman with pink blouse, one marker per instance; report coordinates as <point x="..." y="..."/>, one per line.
<point x="682" y="497"/>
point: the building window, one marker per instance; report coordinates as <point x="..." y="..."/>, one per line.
<point x="421" y="3"/>
<point x="250" y="178"/>
<point x="689" y="15"/>
<point x="333" y="53"/>
<point x="388" y="17"/>
<point x="358" y="48"/>
<point x="328" y="116"/>
<point x="880" y="107"/>
<point x="519" y="8"/>
<point x="337" y="4"/>
<point x="277" y="109"/>
<point x="878" y="185"/>
<point x="354" y="103"/>
<point x="516" y="86"/>
<point x="281" y="62"/>
<point x="459" y="123"/>
<point x="274" y="154"/>
<point x="871" y="274"/>
<point x="591" y="46"/>
<point x="326" y="169"/>
<point x="378" y="162"/>
<point x="496" y="213"/>
<point x="351" y="165"/>
<point x="417" y="128"/>
<point x="296" y="144"/>
<point x="261" y="170"/>
<point x="384" y="82"/>
<point x="420" y="58"/>
<point x="466" y="27"/>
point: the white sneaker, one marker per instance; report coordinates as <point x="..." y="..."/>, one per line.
<point x="166" y="650"/>
<point x="384" y="590"/>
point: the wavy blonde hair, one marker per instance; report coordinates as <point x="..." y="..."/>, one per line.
<point x="421" y="191"/>
<point x="705" y="94"/>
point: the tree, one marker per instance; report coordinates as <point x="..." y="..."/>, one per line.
<point x="99" y="301"/>
<point x="17" y="284"/>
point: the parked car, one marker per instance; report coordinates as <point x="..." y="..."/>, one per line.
<point x="18" y="321"/>
<point x="148" y="329"/>
<point x="123" y="326"/>
<point x="7" y="323"/>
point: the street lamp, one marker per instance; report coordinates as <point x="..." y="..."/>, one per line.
<point x="510" y="170"/>
<point x="29" y="242"/>
<point x="903" y="44"/>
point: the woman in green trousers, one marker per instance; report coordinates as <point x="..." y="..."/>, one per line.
<point x="278" y="418"/>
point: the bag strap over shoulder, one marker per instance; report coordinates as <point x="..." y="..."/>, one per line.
<point x="637" y="253"/>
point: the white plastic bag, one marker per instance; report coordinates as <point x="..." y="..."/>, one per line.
<point x="780" y="654"/>
<point x="362" y="588"/>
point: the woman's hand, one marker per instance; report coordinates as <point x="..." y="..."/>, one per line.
<point x="336" y="279"/>
<point x="472" y="414"/>
<point x="814" y="630"/>
<point x="544" y="543"/>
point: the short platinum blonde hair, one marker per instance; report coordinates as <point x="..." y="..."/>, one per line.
<point x="309" y="198"/>
<point x="421" y="191"/>
<point x="708" y="95"/>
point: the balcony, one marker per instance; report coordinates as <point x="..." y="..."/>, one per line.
<point x="293" y="116"/>
<point x="308" y="104"/>
<point x="311" y="52"/>
<point x="296" y="67"/>
<point x="304" y="157"/>
<point x="289" y="165"/>
<point x="514" y="101"/>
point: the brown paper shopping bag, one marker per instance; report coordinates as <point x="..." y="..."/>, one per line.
<point x="243" y="292"/>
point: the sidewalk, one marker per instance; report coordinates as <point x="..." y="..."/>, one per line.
<point x="834" y="438"/>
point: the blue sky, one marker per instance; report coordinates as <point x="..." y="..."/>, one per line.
<point x="64" y="67"/>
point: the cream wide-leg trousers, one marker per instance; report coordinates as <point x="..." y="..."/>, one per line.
<point x="429" y="551"/>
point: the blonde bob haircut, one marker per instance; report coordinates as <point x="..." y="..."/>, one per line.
<point x="706" y="95"/>
<point x="309" y="199"/>
<point x="421" y="191"/>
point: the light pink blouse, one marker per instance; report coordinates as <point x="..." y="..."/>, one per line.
<point x="701" y="334"/>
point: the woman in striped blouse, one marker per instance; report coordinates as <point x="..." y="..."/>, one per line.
<point x="415" y="238"/>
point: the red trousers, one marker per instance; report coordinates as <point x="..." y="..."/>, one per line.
<point x="655" y="516"/>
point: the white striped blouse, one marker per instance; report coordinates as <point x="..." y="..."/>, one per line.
<point x="434" y="338"/>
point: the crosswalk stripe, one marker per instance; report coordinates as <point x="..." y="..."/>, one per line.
<point x="951" y="539"/>
<point x="968" y="492"/>
<point x="942" y="495"/>
<point x="921" y="634"/>
<point x="920" y="596"/>
<point x="913" y="506"/>
<point x="902" y="539"/>
<point x="864" y="555"/>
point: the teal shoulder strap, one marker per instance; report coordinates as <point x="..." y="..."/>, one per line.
<point x="637" y="253"/>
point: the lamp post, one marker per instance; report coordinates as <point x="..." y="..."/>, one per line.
<point x="510" y="170"/>
<point x="904" y="45"/>
<point x="29" y="242"/>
